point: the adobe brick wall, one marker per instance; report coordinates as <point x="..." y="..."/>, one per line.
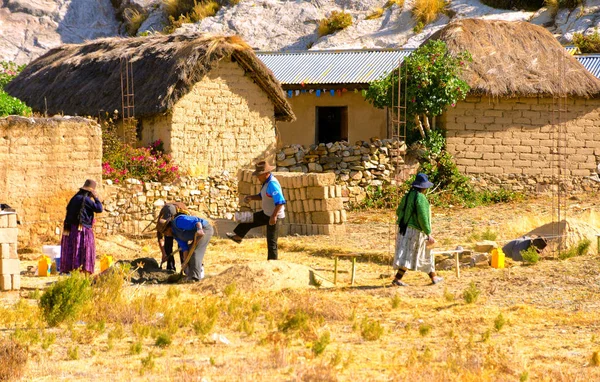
<point x="509" y="142"/>
<point x="43" y="162"/>
<point x="224" y="123"/>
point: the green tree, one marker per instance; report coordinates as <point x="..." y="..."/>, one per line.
<point x="431" y="81"/>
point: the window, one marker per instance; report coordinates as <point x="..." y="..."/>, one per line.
<point x="332" y="124"/>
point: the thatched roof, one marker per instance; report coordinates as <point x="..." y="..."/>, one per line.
<point x="85" y="79"/>
<point x="512" y="59"/>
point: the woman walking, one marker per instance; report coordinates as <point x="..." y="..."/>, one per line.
<point x="78" y="247"/>
<point x="414" y="233"/>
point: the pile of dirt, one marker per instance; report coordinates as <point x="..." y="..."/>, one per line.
<point x="265" y="275"/>
<point x="570" y="231"/>
<point x="147" y="270"/>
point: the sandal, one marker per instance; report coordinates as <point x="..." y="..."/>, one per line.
<point x="397" y="282"/>
<point x="232" y="237"/>
<point x="437" y="280"/>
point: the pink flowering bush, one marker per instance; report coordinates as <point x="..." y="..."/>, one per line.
<point x="145" y="163"/>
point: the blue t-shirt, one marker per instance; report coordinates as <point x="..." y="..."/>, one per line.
<point x="184" y="229"/>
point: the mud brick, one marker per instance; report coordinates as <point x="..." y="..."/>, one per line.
<point x="343" y="216"/>
<point x="317" y="192"/>
<point x="327" y="179"/>
<point x="5" y="251"/>
<point x="3" y="221"/>
<point x="299" y="206"/>
<point x="301" y="218"/>
<point x="305" y="206"/>
<point x="16" y="282"/>
<point x="323" y="217"/>
<point x="5" y="282"/>
<point x="305" y="181"/>
<point x="297" y="194"/>
<point x="318" y="205"/>
<point x="335" y="204"/>
<point x="338" y="191"/>
<point x="8" y="235"/>
<point x="9" y="266"/>
<point x="337" y="217"/>
<point x="311" y="205"/>
<point x="244" y="188"/>
<point x="332" y="193"/>
<point x="303" y="193"/>
<point x="297" y="182"/>
<point x="308" y="218"/>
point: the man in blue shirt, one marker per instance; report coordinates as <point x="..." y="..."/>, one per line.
<point x="185" y="229"/>
<point x="273" y="209"/>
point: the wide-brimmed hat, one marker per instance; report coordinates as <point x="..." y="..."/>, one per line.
<point x="89" y="185"/>
<point x="421" y="181"/>
<point x="162" y="224"/>
<point x="262" y="167"/>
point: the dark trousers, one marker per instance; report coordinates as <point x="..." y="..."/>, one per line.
<point x="261" y="219"/>
<point x="169" y="251"/>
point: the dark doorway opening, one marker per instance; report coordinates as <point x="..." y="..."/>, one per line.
<point x="332" y="124"/>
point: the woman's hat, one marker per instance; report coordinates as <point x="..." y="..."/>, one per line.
<point x="162" y="224"/>
<point x="421" y="181"/>
<point x="262" y="167"/>
<point x="89" y="185"/>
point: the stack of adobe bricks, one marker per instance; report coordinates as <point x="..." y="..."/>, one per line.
<point x="10" y="278"/>
<point x="314" y="203"/>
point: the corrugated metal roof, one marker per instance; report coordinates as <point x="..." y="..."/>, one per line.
<point x="572" y="49"/>
<point x="333" y="66"/>
<point x="591" y="62"/>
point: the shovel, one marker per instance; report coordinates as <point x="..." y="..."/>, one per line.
<point x="178" y="276"/>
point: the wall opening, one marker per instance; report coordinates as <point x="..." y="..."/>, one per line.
<point x="332" y="124"/>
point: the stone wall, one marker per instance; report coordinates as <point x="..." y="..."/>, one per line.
<point x="356" y="166"/>
<point x="510" y="142"/>
<point x="224" y="123"/>
<point x="314" y="203"/>
<point x="131" y="208"/>
<point x="43" y="162"/>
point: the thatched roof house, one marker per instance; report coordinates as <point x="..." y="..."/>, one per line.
<point x="516" y="59"/>
<point x="81" y="79"/>
<point x="209" y="98"/>
<point x="525" y="88"/>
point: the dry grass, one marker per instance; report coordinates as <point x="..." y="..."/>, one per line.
<point x="426" y="11"/>
<point x="375" y="14"/>
<point x="389" y="3"/>
<point x="133" y="20"/>
<point x="13" y="358"/>
<point x="336" y="21"/>
<point x="521" y="326"/>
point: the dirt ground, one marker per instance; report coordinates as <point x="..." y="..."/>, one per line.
<point x="538" y="322"/>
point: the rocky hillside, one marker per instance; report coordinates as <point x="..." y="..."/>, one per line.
<point x="28" y="28"/>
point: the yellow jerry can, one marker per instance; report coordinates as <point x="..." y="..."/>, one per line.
<point x="44" y="266"/>
<point x="106" y="262"/>
<point x="497" y="258"/>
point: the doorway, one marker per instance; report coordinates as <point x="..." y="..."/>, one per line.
<point x="332" y="124"/>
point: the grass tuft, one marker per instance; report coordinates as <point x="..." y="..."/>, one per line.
<point x="319" y="346"/>
<point x="371" y="330"/>
<point x="426" y="11"/>
<point x="395" y="301"/>
<point x="471" y="293"/>
<point x="499" y="322"/>
<point x="530" y="255"/>
<point x="595" y="359"/>
<point x="424" y="329"/>
<point x="580" y="249"/>
<point x="163" y="340"/>
<point x="13" y="359"/>
<point x="375" y="14"/>
<point x="334" y="23"/>
<point x="389" y="3"/>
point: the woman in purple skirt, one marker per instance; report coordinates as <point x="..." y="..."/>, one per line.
<point x="78" y="248"/>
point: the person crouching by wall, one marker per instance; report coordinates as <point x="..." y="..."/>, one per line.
<point x="189" y="230"/>
<point x="273" y="209"/>
<point x="165" y="243"/>
<point x="78" y="246"/>
<point x="414" y="233"/>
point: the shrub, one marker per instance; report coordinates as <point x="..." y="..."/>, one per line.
<point x="426" y="11"/>
<point x="471" y="294"/>
<point x="73" y="353"/>
<point x="163" y="340"/>
<point x="13" y="358"/>
<point x="449" y="296"/>
<point x="295" y="321"/>
<point x="530" y="255"/>
<point x="136" y="348"/>
<point x="587" y="44"/>
<point x="371" y="330"/>
<point x="335" y="22"/>
<point x="555" y="5"/>
<point x="10" y="105"/>
<point x="318" y="347"/>
<point x="489" y="235"/>
<point x="424" y="329"/>
<point x="65" y="299"/>
<point x="528" y="5"/>
<point x="579" y="250"/>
